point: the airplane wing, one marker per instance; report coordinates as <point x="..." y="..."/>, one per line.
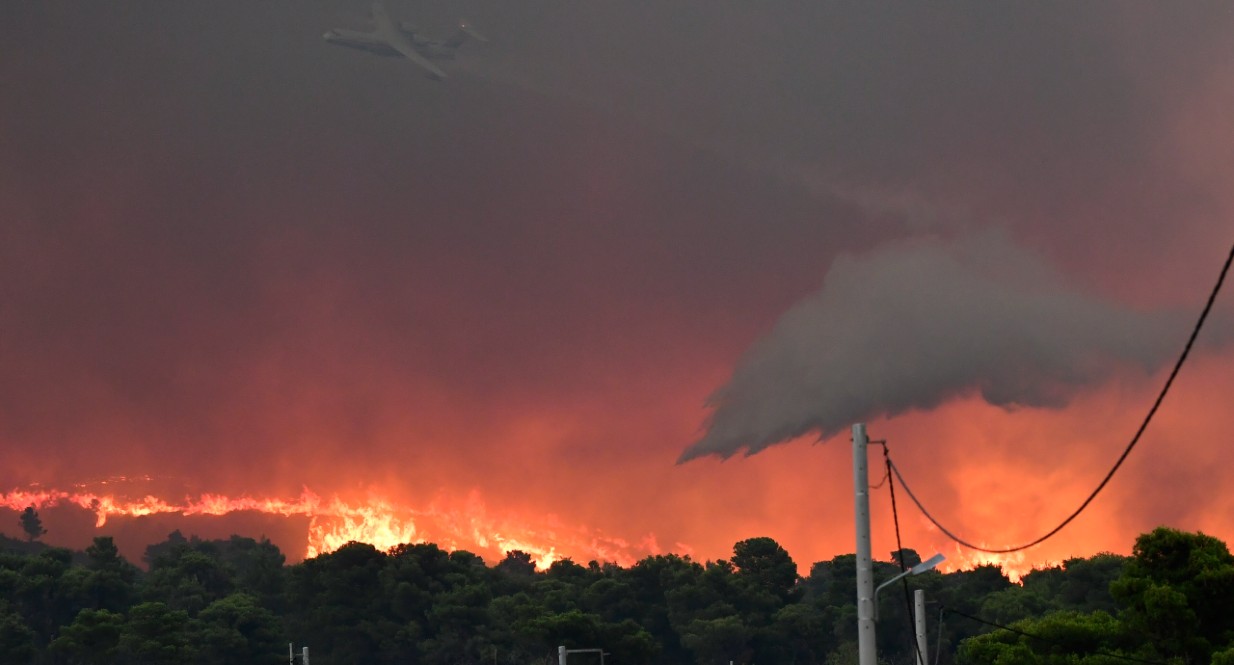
<point x="389" y="31"/>
<point x="402" y="45"/>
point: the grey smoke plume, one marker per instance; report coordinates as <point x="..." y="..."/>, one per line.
<point x="915" y="324"/>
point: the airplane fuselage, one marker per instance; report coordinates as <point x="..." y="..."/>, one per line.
<point x="367" y="41"/>
<point x="392" y="39"/>
<point x="361" y="40"/>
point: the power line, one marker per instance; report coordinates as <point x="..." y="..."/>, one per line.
<point x="1212" y="297"/>
<point x="1099" y="652"/>
<point x="886" y="475"/>
<point x="938" y="640"/>
<point x="895" y="518"/>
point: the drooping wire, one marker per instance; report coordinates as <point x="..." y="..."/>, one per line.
<point x="938" y="640"/>
<point x="1208" y="306"/>
<point x="895" y="518"/>
<point x="886" y="475"/>
<point x="1099" y="652"/>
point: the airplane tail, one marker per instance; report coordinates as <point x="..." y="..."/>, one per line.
<point x="464" y="32"/>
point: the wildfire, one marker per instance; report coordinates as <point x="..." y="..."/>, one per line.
<point x="334" y="522"/>
<point x="1015" y="564"/>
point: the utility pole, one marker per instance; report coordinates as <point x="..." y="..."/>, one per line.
<point x="865" y="573"/>
<point x="919" y="623"/>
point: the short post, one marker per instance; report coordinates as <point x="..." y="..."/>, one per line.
<point x="919" y="622"/>
<point x="561" y="655"/>
<point x="304" y="656"/>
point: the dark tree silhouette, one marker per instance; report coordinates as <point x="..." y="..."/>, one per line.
<point x="905" y="558"/>
<point x="31" y="524"/>
<point x="518" y="563"/>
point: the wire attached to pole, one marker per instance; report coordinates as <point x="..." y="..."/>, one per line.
<point x="895" y="518"/>
<point x="1178" y="365"/>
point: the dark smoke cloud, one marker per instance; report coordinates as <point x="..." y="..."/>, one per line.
<point x="234" y="254"/>
<point x="912" y="325"/>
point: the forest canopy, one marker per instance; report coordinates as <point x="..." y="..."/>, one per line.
<point x="236" y="600"/>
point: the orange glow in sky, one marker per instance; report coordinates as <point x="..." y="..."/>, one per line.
<point x="311" y="292"/>
<point x="975" y="466"/>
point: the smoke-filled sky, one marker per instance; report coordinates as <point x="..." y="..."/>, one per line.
<point x="240" y="260"/>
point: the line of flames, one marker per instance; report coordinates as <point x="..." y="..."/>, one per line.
<point x="333" y="522"/>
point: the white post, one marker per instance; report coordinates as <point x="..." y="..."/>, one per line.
<point x="919" y="621"/>
<point x="866" y="646"/>
<point x="291" y="655"/>
<point x="304" y="656"/>
<point x="561" y="655"/>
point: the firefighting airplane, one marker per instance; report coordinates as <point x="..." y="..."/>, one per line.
<point x="394" y="39"/>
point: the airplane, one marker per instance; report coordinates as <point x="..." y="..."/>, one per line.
<point x="393" y="39"/>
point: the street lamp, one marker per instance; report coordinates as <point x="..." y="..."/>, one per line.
<point x="915" y="570"/>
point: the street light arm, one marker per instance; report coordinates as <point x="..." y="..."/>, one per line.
<point x="927" y="564"/>
<point x="889" y="582"/>
<point x="915" y="570"/>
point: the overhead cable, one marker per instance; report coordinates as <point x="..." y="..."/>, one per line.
<point x="1212" y="297"/>
<point x="895" y="518"/>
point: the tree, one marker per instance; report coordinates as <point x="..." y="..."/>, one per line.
<point x="107" y="580"/>
<point x="1178" y="591"/>
<point x="458" y="624"/>
<point x="31" y="524"/>
<point x="16" y="638"/>
<point x="766" y="566"/>
<point x="155" y="551"/>
<point x="237" y="629"/>
<point x="41" y="593"/>
<point x="156" y="634"/>
<point x="626" y="640"/>
<point x="187" y="579"/>
<point x="517" y="563"/>
<point x="91" y="639"/>
<point x="1079" y="584"/>
<point x="905" y="558"/>
<point x="340" y="603"/>
<point x="831" y="583"/>
<point x="256" y="567"/>
<point x="651" y="582"/>
<point x="802" y="632"/>
<point x="717" y="640"/>
<point x="1061" y="638"/>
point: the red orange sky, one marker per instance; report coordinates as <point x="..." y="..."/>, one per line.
<point x="243" y="262"/>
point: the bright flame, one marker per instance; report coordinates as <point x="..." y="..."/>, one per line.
<point x="1015" y="564"/>
<point x="334" y="522"/>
